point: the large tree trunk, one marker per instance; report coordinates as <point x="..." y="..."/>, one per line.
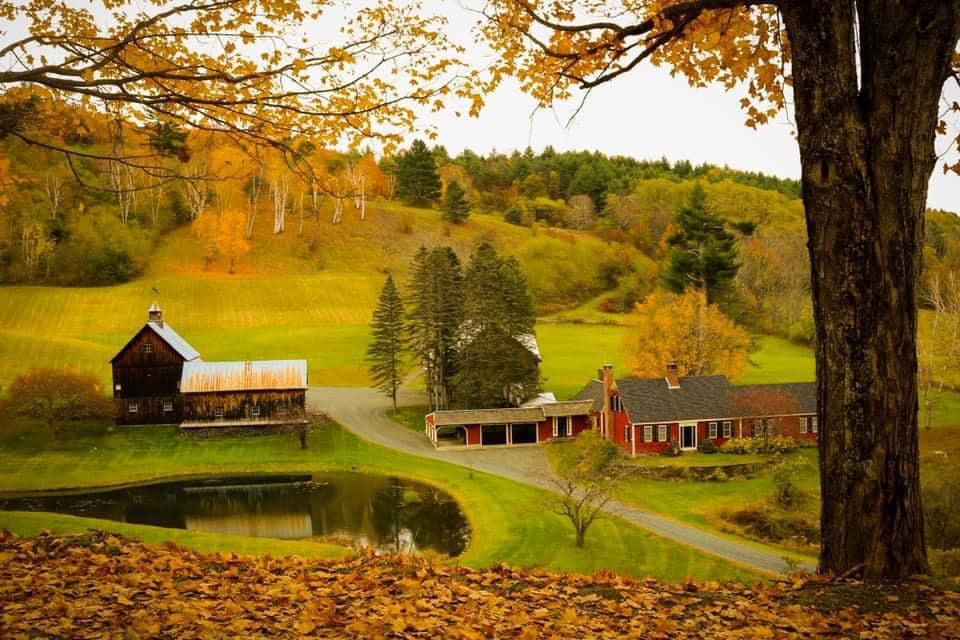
<point x="867" y="152"/>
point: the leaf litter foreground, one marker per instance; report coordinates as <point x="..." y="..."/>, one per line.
<point x="103" y="586"/>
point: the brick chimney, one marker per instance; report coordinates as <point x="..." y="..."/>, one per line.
<point x="673" y="375"/>
<point x="606" y="376"/>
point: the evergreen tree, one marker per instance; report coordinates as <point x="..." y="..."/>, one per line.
<point x="495" y="367"/>
<point x="416" y="171"/>
<point x="436" y="298"/>
<point x="456" y="209"/>
<point x="385" y="353"/>
<point x="703" y="252"/>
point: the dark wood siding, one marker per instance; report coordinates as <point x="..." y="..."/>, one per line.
<point x="148" y="376"/>
<point x="238" y="405"/>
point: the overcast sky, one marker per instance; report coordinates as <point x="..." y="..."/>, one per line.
<point x="645" y="114"/>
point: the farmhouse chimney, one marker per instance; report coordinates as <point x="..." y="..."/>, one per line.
<point x="155" y="314"/>
<point x="673" y="375"/>
<point x="606" y="376"/>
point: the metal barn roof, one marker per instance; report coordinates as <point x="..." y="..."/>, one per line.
<point x="206" y="377"/>
<point x="512" y="415"/>
<point x="166" y="333"/>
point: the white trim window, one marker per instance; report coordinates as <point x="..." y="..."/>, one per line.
<point x="626" y="433"/>
<point x="648" y="433"/>
<point x="803" y="424"/>
<point x="255" y="411"/>
<point x="713" y="430"/>
<point x="168" y="406"/>
<point x="133" y="407"/>
<point x="148" y="347"/>
<point x="218" y="412"/>
<point x="727" y="428"/>
<point x="662" y="436"/>
<point x="814" y="424"/>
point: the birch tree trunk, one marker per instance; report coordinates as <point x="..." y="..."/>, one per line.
<point x="867" y="152"/>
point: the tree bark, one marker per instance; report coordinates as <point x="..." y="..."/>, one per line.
<point x="867" y="152"/>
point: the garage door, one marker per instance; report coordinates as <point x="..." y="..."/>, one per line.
<point x="524" y="433"/>
<point x="493" y="434"/>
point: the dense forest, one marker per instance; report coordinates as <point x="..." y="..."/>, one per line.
<point x="85" y="220"/>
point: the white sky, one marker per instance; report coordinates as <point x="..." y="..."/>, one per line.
<point x="645" y="114"/>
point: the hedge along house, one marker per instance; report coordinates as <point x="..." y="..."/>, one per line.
<point x="646" y="415"/>
<point x="243" y="393"/>
<point x="147" y="371"/>
<point x="513" y="426"/>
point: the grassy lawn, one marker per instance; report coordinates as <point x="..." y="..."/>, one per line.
<point x="508" y="520"/>
<point x="410" y="417"/>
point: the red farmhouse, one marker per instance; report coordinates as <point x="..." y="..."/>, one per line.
<point x="511" y="426"/>
<point x="646" y="415"/>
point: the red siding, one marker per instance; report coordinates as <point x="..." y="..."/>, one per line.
<point x="545" y="430"/>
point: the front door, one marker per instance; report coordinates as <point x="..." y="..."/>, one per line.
<point x="563" y="426"/>
<point x="688" y="436"/>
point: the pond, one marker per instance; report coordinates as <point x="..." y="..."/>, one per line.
<point x="383" y="512"/>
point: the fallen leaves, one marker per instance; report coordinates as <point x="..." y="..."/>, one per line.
<point x="102" y="586"/>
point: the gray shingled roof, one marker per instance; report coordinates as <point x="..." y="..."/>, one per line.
<point x="568" y="408"/>
<point x="205" y="377"/>
<point x="805" y="393"/>
<point x="650" y="400"/>
<point x="512" y="415"/>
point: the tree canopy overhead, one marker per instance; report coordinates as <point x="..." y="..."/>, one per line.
<point x="866" y="79"/>
<point x="243" y="66"/>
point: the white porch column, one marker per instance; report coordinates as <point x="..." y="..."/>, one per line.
<point x="633" y="441"/>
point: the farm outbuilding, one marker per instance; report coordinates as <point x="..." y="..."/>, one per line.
<point x="508" y="427"/>
<point x="159" y="378"/>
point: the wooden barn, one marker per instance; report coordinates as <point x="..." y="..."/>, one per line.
<point x="147" y="371"/>
<point x="267" y="392"/>
<point x="158" y="378"/>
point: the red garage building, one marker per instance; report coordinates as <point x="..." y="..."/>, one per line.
<point x="510" y="426"/>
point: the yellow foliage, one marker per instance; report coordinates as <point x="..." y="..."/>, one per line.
<point x="685" y="330"/>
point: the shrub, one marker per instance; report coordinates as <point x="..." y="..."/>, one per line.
<point x="514" y="214"/>
<point x="787" y="493"/>
<point x="672" y="450"/>
<point x="707" y="446"/>
<point x="760" y="445"/>
<point x="57" y="397"/>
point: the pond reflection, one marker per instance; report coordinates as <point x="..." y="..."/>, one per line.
<point x="383" y="512"/>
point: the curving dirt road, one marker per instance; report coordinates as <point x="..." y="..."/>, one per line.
<point x="362" y="412"/>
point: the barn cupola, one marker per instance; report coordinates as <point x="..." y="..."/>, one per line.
<point x="155" y="314"/>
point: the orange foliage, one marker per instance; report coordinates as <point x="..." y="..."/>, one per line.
<point x="684" y="330"/>
<point x="100" y="585"/>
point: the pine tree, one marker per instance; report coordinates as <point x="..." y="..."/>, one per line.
<point x="417" y="180"/>
<point x="436" y="298"/>
<point x="494" y="366"/>
<point x="703" y="252"/>
<point x="456" y="209"/>
<point x="385" y="353"/>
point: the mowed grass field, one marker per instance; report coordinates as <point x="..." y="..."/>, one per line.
<point x="509" y="521"/>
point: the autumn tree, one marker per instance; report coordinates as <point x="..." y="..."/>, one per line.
<point x="765" y="407"/>
<point x="866" y="79"/>
<point x="56" y="397"/>
<point x="584" y="479"/>
<point x="385" y="351"/>
<point x="684" y="330"/>
<point x="940" y="351"/>
<point x="231" y="241"/>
